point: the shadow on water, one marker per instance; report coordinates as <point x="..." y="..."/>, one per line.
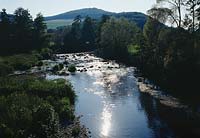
<point x="112" y="106"/>
<point x="169" y="122"/>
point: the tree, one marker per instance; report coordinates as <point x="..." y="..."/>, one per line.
<point x="151" y="51"/>
<point x="23" y="26"/>
<point x="173" y="13"/>
<point x="40" y="37"/>
<point x="88" y="34"/>
<point x="116" y="36"/>
<point x="163" y="15"/>
<point x="39" y="25"/>
<point x="72" y="39"/>
<point x="5" y="27"/>
<point x="104" y="19"/>
<point x="192" y="7"/>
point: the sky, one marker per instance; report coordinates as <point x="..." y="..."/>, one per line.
<point x="53" y="7"/>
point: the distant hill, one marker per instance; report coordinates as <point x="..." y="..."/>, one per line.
<point x="94" y="13"/>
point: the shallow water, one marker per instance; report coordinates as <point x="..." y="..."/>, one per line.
<point x="112" y="106"/>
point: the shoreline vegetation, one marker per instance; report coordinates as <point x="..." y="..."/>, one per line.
<point x="30" y="105"/>
<point x="43" y="108"/>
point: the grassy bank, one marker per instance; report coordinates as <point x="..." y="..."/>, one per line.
<point x="22" y="62"/>
<point x="32" y="106"/>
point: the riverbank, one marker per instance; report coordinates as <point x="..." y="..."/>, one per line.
<point x="75" y="130"/>
<point x="113" y="105"/>
<point x="183" y="85"/>
<point x="40" y="106"/>
<point x="105" y="89"/>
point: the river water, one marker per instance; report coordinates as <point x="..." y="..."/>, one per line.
<point x="112" y="106"/>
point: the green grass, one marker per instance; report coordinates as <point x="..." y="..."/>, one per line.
<point x="33" y="107"/>
<point x="53" y="24"/>
<point x="133" y="49"/>
<point x="17" y="62"/>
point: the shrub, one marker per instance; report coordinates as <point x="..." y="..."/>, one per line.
<point x="46" y="53"/>
<point x="32" y="106"/>
<point x="21" y="62"/>
<point x="75" y="131"/>
<point x="5" y="69"/>
<point x="40" y="63"/>
<point x="61" y="66"/>
<point x="25" y="116"/>
<point x="72" y="68"/>
<point x="55" y="68"/>
<point x="58" y="67"/>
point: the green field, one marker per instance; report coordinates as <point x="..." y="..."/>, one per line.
<point x="53" y="24"/>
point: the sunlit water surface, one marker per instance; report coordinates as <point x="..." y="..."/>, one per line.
<point x="112" y="106"/>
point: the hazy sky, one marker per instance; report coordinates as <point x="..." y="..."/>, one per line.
<point x="53" y="7"/>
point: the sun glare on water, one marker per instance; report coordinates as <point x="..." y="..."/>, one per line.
<point x="106" y="124"/>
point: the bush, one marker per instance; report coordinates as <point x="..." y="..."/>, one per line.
<point x="75" y="131"/>
<point x="21" y="62"/>
<point x="55" y="68"/>
<point x="5" y="69"/>
<point x="61" y="66"/>
<point x="32" y="106"/>
<point x="46" y="53"/>
<point x="40" y="63"/>
<point x="58" y="67"/>
<point x="72" y="68"/>
<point x="25" y="116"/>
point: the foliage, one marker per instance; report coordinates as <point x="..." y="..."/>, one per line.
<point x="33" y="107"/>
<point x="20" y="33"/>
<point x="26" y="116"/>
<point x="58" y="67"/>
<point x="17" y="62"/>
<point x="133" y="49"/>
<point x="72" y="68"/>
<point x="5" y="69"/>
<point x="75" y="131"/>
<point x="165" y="54"/>
<point x="116" y="36"/>
<point x="80" y="36"/>
<point x="88" y="34"/>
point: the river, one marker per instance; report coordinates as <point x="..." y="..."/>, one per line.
<point x="111" y="104"/>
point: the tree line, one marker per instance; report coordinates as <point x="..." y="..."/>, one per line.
<point x="30" y="105"/>
<point x="19" y="32"/>
<point x="166" y="49"/>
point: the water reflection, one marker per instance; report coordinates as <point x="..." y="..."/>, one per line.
<point x="112" y="106"/>
<point x="106" y="124"/>
<point x="169" y="122"/>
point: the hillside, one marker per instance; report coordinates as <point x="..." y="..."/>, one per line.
<point x="92" y="12"/>
<point x="61" y="19"/>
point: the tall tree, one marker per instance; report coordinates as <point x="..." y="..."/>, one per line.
<point x="39" y="31"/>
<point x="173" y="13"/>
<point x="72" y="39"/>
<point x="23" y="29"/>
<point x="5" y="27"/>
<point x="88" y="33"/>
<point x="192" y="7"/>
<point x="103" y="20"/>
